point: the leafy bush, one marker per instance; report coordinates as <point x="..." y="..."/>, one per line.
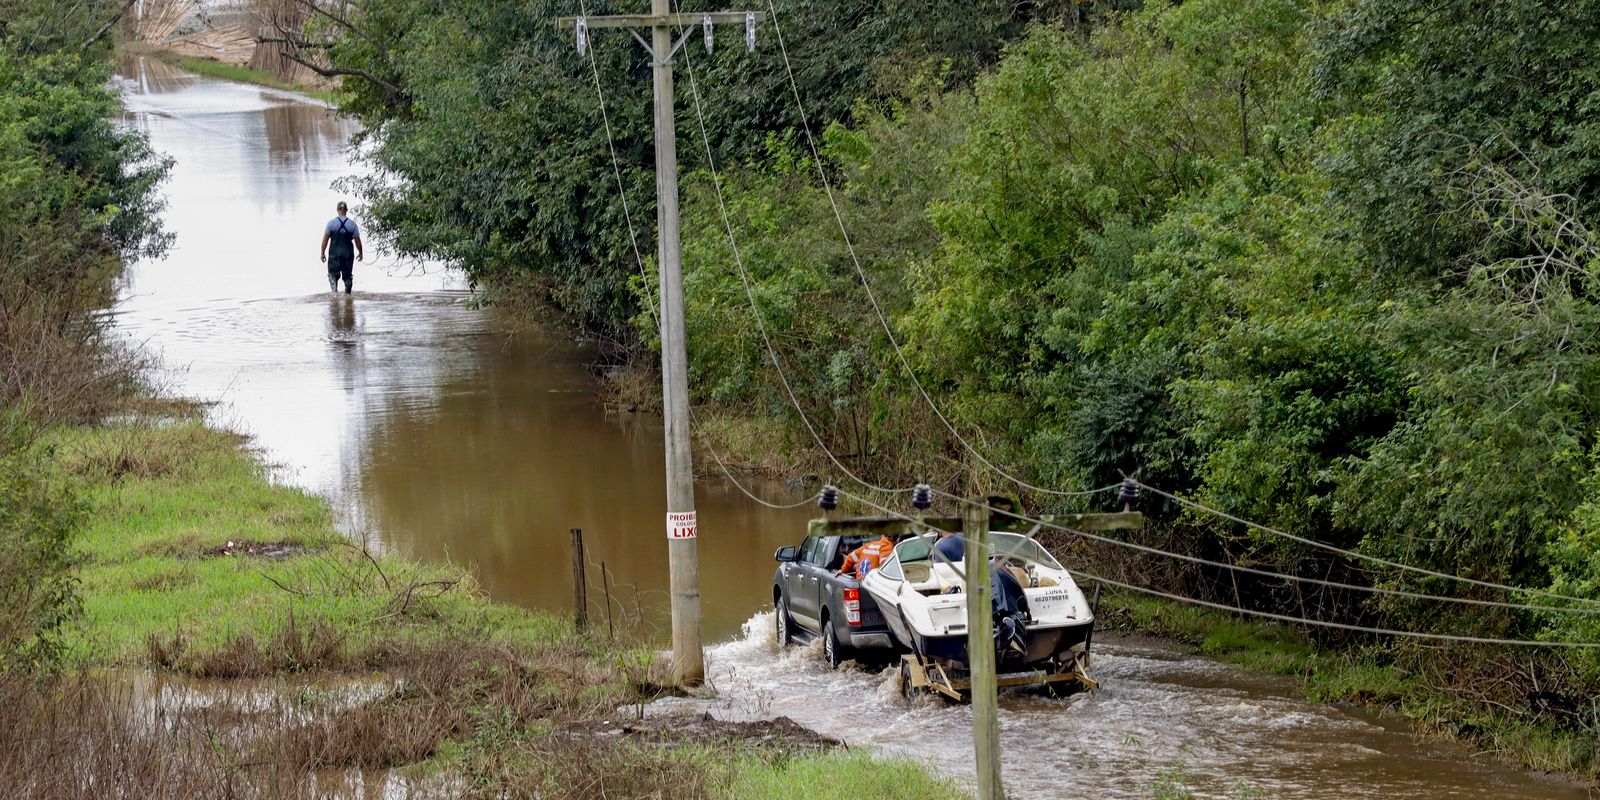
<point x="77" y="197"/>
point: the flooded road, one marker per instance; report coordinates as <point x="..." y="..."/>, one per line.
<point x="1161" y="720"/>
<point x="433" y="432"/>
<point x="436" y="434"/>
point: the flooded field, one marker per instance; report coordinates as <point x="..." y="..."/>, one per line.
<point x="436" y="433"/>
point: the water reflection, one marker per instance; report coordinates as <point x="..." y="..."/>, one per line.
<point x="298" y="133"/>
<point x="513" y="451"/>
<point x="148" y="75"/>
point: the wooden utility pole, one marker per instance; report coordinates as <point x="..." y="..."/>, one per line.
<point x="980" y="650"/>
<point x="688" y="659"/>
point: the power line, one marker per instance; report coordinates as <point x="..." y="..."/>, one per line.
<point x="638" y="257"/>
<point x="726" y="473"/>
<point x="900" y="355"/>
<point x="745" y="282"/>
<point x="1281" y="617"/>
<point x="888" y="330"/>
<point x="1357" y="555"/>
<point x="1278" y="575"/>
<point x="616" y="169"/>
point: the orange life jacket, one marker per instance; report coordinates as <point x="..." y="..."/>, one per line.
<point x="870" y="554"/>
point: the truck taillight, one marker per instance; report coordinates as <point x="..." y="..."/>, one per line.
<point x="852" y="606"/>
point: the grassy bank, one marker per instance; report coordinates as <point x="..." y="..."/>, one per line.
<point x="1411" y="681"/>
<point x="231" y="72"/>
<point x="194" y="564"/>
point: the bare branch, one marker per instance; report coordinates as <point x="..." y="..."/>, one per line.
<point x="110" y="23"/>
<point x="390" y="89"/>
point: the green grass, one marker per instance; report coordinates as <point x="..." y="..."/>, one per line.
<point x="162" y="498"/>
<point x="837" y="775"/>
<point x="1270" y="647"/>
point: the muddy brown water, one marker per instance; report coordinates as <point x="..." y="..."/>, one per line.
<point x="432" y="431"/>
<point x="435" y="433"/>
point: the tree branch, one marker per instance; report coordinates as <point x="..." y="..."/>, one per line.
<point x="394" y="92"/>
<point x="110" y="23"/>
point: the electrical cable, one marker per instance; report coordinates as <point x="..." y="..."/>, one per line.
<point x="905" y="363"/>
<point x="745" y="282"/>
<point x="638" y="257"/>
<point x="1449" y="637"/>
<point x="1270" y="573"/>
<point x="1356" y="555"/>
<point x="827" y="185"/>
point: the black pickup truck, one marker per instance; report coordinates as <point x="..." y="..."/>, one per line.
<point x="812" y="600"/>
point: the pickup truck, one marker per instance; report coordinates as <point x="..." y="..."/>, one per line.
<point x="812" y="601"/>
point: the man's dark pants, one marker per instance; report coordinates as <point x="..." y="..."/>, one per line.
<point x="341" y="266"/>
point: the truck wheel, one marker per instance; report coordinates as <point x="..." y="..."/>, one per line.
<point x="832" y="651"/>
<point x="783" y="627"/>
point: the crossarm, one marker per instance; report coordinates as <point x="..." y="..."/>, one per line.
<point x="656" y="20"/>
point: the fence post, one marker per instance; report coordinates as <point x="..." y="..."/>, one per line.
<point x="580" y="587"/>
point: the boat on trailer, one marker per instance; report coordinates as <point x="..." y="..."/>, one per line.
<point x="1044" y="624"/>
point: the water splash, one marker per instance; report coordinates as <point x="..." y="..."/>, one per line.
<point x="1160" y="715"/>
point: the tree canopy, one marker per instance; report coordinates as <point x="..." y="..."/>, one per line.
<point x="1329" y="267"/>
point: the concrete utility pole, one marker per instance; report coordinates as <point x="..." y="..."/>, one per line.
<point x="980" y="650"/>
<point x="688" y="659"/>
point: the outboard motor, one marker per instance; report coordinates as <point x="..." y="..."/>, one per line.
<point x="1010" y="616"/>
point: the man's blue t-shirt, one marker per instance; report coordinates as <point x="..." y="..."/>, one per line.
<point x="343" y="230"/>
<point x="953" y="548"/>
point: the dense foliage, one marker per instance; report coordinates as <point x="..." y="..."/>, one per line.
<point x="1237" y="271"/>
<point x="1325" y="266"/>
<point x="77" y="197"/>
<point x="490" y="149"/>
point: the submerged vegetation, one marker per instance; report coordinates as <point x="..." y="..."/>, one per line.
<point x="1329" y="267"/>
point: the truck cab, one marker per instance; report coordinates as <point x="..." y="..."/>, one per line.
<point x="811" y="600"/>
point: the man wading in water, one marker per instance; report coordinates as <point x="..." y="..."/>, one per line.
<point x="341" y="258"/>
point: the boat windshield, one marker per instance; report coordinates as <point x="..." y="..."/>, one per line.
<point x="1015" y="544"/>
<point x="913" y="550"/>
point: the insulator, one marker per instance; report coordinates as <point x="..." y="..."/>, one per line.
<point x="828" y="500"/>
<point x="581" y="28"/>
<point x="750" y="31"/>
<point x="1129" y="493"/>
<point x="922" y="497"/>
<point x="706" y="24"/>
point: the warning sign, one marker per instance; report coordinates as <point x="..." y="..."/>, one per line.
<point x="681" y="525"/>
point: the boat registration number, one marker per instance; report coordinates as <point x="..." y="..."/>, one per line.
<point x="1050" y="599"/>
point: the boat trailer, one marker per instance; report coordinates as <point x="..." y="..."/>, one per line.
<point x="920" y="674"/>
